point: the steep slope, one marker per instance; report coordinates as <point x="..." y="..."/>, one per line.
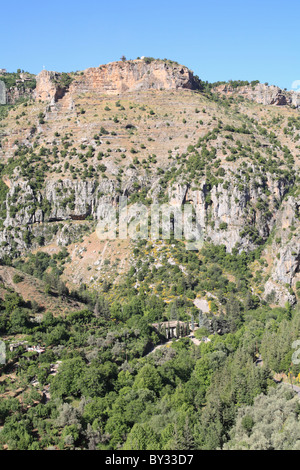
<point x="32" y="289"/>
<point x="144" y="130"/>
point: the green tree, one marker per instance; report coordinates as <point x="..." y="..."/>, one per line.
<point x="148" y="377"/>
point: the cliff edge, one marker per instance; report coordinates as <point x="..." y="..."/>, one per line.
<point x="116" y="78"/>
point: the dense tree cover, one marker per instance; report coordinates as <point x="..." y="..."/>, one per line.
<point x="271" y="423"/>
<point x="108" y="392"/>
<point x="98" y="385"/>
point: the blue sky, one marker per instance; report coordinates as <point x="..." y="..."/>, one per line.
<point x="217" y="39"/>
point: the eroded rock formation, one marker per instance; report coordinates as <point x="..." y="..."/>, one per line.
<point x="116" y="78"/>
<point x="263" y="94"/>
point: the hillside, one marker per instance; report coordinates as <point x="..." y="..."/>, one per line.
<point x="234" y="159"/>
<point x="153" y="132"/>
<point x="31" y="289"/>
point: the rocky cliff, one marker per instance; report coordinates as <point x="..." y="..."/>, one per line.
<point x="263" y="94"/>
<point x="116" y="78"/>
<point x="14" y="94"/>
<point x="285" y="253"/>
<point x="223" y="221"/>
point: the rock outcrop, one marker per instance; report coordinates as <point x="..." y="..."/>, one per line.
<point x="18" y="93"/>
<point x="286" y="257"/>
<point x="263" y="94"/>
<point x="223" y="219"/>
<point x="48" y="87"/>
<point x="229" y="211"/>
<point x="116" y="78"/>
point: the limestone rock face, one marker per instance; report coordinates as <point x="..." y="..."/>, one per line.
<point x="286" y="266"/>
<point x="278" y="293"/>
<point x="118" y="77"/>
<point x="21" y="205"/>
<point x="68" y="198"/>
<point x="47" y="86"/>
<point x="13" y="94"/>
<point x="224" y="216"/>
<point x="267" y="95"/>
<point x="263" y="94"/>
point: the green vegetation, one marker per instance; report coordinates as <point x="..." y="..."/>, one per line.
<point x="109" y="392"/>
<point x="108" y="374"/>
<point x="64" y="80"/>
<point x="14" y="80"/>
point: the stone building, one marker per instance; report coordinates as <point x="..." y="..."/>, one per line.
<point x="173" y="329"/>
